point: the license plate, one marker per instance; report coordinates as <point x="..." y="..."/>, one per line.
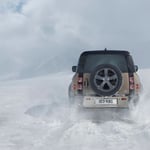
<point x="106" y="101"/>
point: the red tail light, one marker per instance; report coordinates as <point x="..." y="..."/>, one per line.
<point x="80" y="80"/>
<point x="80" y="83"/>
<point x="131" y="83"/>
<point x="123" y="98"/>
<point x="137" y="86"/>
<point x="131" y="79"/>
<point x="74" y="87"/>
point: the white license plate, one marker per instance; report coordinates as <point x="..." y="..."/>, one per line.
<point x="106" y="101"/>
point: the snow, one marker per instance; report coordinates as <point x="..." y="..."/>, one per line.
<point x="35" y="115"/>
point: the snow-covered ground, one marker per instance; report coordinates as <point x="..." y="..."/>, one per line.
<point x="34" y="115"/>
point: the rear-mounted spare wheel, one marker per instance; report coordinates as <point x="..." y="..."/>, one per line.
<point x="106" y="80"/>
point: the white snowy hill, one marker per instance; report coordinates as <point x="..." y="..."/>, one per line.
<point x="34" y="115"/>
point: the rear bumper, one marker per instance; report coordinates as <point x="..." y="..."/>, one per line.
<point x="102" y="102"/>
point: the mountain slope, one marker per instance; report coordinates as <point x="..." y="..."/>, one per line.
<point x="34" y="115"/>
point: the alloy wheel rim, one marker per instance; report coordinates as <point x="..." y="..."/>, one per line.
<point x="106" y="79"/>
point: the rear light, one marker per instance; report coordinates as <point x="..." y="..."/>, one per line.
<point x="137" y="86"/>
<point x="131" y="83"/>
<point x="80" y="83"/>
<point x="131" y="86"/>
<point x="131" y="79"/>
<point x="124" y="99"/>
<point x="74" y="87"/>
<point x="80" y="80"/>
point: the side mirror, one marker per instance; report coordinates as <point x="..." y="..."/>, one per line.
<point x="74" y="68"/>
<point x="136" y="68"/>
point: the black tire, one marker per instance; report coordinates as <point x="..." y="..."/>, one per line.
<point x="106" y="80"/>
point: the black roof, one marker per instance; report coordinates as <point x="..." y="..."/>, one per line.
<point x="105" y="52"/>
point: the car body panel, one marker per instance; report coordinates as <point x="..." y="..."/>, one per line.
<point x="87" y="96"/>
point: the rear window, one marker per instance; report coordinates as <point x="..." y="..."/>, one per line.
<point x="89" y="62"/>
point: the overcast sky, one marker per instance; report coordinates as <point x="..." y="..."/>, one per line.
<point x="48" y="35"/>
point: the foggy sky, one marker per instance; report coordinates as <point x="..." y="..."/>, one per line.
<point x="41" y="36"/>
